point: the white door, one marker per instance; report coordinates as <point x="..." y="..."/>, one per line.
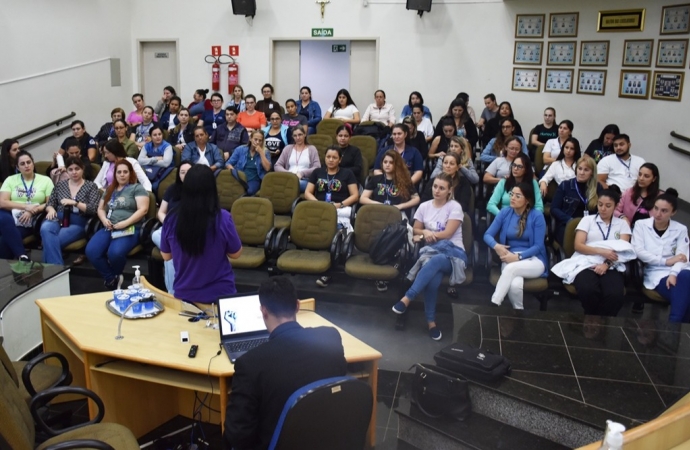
<point x="325" y="69"/>
<point x="158" y="68"/>
<point x="364" y="73"/>
<point x="285" y="71"/>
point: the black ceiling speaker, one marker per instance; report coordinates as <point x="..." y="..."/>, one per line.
<point x="244" y="7"/>
<point x="421" y="6"/>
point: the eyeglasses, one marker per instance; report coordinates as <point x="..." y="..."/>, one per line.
<point x="517" y="166"/>
<point x="276" y="118"/>
<point x="517" y="196"/>
<point x="506" y="127"/>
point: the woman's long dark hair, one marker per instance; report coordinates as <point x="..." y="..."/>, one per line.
<point x="461" y="103"/>
<point x="197" y="211"/>
<point x="527" y="177"/>
<point x="527" y="190"/>
<point x="336" y="103"/>
<point x="652" y="189"/>
<point x="176" y="188"/>
<point x="578" y="150"/>
<point x="609" y="129"/>
<point x="7" y="166"/>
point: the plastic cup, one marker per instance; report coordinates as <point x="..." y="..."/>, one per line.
<point x="122" y="301"/>
<point x="136" y="309"/>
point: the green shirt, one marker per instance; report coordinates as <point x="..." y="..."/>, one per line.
<point x="131" y="148"/>
<point x="40" y="188"/>
<point x="123" y="203"/>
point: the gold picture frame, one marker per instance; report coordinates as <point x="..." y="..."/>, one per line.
<point x="591" y="82"/>
<point x="526" y="79"/>
<point x="621" y="20"/>
<point x="529" y="26"/>
<point x="672" y="53"/>
<point x="563" y="24"/>
<point x="528" y="52"/>
<point x="559" y="80"/>
<point x="668" y="86"/>
<point x="634" y="84"/>
<point x="675" y="19"/>
<point x="594" y="53"/>
<point x="638" y="52"/>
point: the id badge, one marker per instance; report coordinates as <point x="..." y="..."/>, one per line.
<point x="586" y="213"/>
<point x="110" y="213"/>
<point x="387" y="202"/>
<point x="214" y="125"/>
<point x="328" y="197"/>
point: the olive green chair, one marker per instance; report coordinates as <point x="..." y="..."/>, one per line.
<point x="19" y="423"/>
<point x="371" y="219"/>
<point x="328" y="127"/>
<point x="41" y="167"/>
<point x="538" y="160"/>
<point x="314" y="232"/>
<point x="165" y="183"/>
<point x="321" y="142"/>
<point x="229" y="188"/>
<point x="367" y="145"/>
<point x="282" y="190"/>
<point x="253" y="218"/>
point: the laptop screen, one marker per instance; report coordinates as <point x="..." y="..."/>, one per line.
<point x="240" y="314"/>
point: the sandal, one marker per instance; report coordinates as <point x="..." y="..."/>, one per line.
<point x="452" y="292"/>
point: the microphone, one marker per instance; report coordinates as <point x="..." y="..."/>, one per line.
<point x="122" y="317"/>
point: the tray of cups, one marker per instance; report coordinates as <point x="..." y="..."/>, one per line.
<point x="145" y="304"/>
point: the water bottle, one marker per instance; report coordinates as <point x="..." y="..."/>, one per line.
<point x="65" y="217"/>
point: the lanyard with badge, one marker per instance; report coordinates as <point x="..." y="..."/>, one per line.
<point x="214" y="125"/>
<point x="627" y="166"/>
<point x="328" y="187"/>
<point x="29" y="190"/>
<point x="111" y="203"/>
<point x="386" y="191"/>
<point x="584" y="201"/>
<point x="608" y="232"/>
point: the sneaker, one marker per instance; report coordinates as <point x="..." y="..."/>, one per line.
<point x="114" y="283"/>
<point x="638" y="308"/>
<point x="24" y="258"/>
<point x="399" y="308"/>
<point x="120" y="279"/>
<point x="382" y="286"/>
<point x="323" y="281"/>
<point x="435" y="334"/>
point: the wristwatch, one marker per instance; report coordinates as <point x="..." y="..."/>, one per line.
<point x="519" y="256"/>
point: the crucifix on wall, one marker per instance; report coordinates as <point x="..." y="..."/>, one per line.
<point x="323" y="4"/>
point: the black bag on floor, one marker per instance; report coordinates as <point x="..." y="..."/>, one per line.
<point x="480" y="365"/>
<point x="438" y="392"/>
<point x="385" y="245"/>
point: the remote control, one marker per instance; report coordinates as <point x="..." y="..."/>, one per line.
<point x="192" y="351"/>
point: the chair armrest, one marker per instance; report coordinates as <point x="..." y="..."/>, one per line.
<point x="147" y="230"/>
<point x="92" y="226"/>
<point x="65" y="376"/>
<point x="280" y="242"/>
<point x="638" y="273"/>
<point x="36" y="230"/>
<point x="294" y="204"/>
<point x="348" y="246"/>
<point x="336" y="246"/>
<point x="80" y="443"/>
<point x="268" y="242"/>
<point x="353" y="212"/>
<point x="44" y="397"/>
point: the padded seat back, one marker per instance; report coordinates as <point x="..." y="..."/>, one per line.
<point x="333" y="413"/>
<point x="16" y="424"/>
<point x="253" y="219"/>
<point x="314" y="225"/>
<point x="569" y="237"/>
<point x="41" y="167"/>
<point x="538" y="160"/>
<point x="281" y="189"/>
<point x="468" y="238"/>
<point x="371" y="219"/>
<point x="95" y="168"/>
<point x="328" y="127"/>
<point x="166" y="182"/>
<point x="229" y="189"/>
<point x="177" y="156"/>
<point x="321" y="142"/>
<point x="6" y="362"/>
<point x="367" y="145"/>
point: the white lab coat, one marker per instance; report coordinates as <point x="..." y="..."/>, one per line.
<point x="568" y="269"/>
<point x="653" y="250"/>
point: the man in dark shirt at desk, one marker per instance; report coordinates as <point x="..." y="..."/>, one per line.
<point x="266" y="376"/>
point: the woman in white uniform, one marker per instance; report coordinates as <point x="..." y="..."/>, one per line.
<point x="662" y="244"/>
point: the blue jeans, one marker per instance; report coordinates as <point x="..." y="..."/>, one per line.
<point x="168" y="267"/>
<point x="11" y="236"/>
<point x="253" y="186"/>
<point x="303" y="185"/>
<point x="427" y="281"/>
<point x="55" y="238"/>
<point x="108" y="255"/>
<point x="678" y="295"/>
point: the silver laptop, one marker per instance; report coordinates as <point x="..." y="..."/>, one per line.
<point x="241" y="325"/>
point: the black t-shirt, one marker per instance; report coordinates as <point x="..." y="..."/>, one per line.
<point x="596" y="150"/>
<point x="544" y="134"/>
<point x="383" y="190"/>
<point x="172" y="195"/>
<point x="336" y="184"/>
<point x="275" y="142"/>
<point x="85" y="143"/>
<point x="352" y="159"/>
<point x="419" y="142"/>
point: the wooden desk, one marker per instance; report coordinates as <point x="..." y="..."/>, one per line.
<point x="147" y="378"/>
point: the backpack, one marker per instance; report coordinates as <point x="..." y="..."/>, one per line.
<point x="387" y="243"/>
<point x="377" y="130"/>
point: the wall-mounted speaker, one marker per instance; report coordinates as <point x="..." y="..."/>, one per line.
<point x="244" y="7"/>
<point x="419" y="5"/>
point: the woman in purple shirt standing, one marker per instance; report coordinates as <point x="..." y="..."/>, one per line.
<point x="202" y="270"/>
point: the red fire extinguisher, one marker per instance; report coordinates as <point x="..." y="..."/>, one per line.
<point x="233" y="76"/>
<point x="215" y="78"/>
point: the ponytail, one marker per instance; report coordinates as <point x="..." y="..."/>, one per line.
<point x="522" y="223"/>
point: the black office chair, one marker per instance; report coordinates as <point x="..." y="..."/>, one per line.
<point x="332" y="413"/>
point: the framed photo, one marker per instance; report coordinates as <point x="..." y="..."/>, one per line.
<point x="526" y="79"/>
<point x="675" y="19"/>
<point x="638" y="52"/>
<point x="672" y="53"/>
<point x="563" y="24"/>
<point x="668" y="86"/>
<point x="562" y="53"/>
<point x="634" y="84"/>
<point x="594" y="53"/>
<point x="529" y="26"/>
<point x="621" y="20"/>
<point x="528" y="52"/>
<point x="558" y="80"/>
<point x="591" y="82"/>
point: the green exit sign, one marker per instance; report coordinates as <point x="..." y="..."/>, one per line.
<point x="322" y="32"/>
<point x="339" y="48"/>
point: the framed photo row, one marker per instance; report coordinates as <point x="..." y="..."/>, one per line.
<point x="638" y="52"/>
<point x="529" y="26"/>
<point x="562" y="53"/>
<point x="672" y="53"/>
<point x="668" y="86"/>
<point x="528" y="52"/>
<point x="675" y="19"/>
<point x="594" y="53"/>
<point x="591" y="82"/>
<point x="563" y="24"/>
<point x="558" y="80"/>
<point x="634" y="84"/>
<point x="526" y="79"/>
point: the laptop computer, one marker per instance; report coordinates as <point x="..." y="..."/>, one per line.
<point x="241" y="325"/>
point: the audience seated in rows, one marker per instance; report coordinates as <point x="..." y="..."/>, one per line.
<point x="493" y="126"/>
<point x="254" y="159"/>
<point x="267" y="105"/>
<point x="380" y="111"/>
<point x="422" y="123"/>
<point x="464" y="126"/>
<point x="393" y="186"/>
<point x="412" y="157"/>
<point x="497" y="145"/>
<point x="343" y="108"/>
<point x="415" y="138"/>
<point x="163" y="104"/>
<point x="137" y="116"/>
<point x="276" y="135"/>
<point x="460" y="186"/>
<point x="637" y="202"/>
<point x="461" y="147"/>
<point x="309" y="108"/>
<point x="113" y="153"/>
<point x="202" y="152"/>
<point x="415" y="98"/>
<point x="169" y="118"/>
<point x="294" y="160"/>
<point x="237" y="99"/>
<point x="489" y="112"/>
<point x="107" y="130"/>
<point x="140" y="134"/>
<point x="251" y="119"/>
<point x="545" y="131"/>
<point x="564" y="167"/>
<point x="501" y="166"/>
<point x="213" y="118"/>
<point x="292" y="119"/>
<point x="553" y="147"/>
<point x="231" y="135"/>
<point x="58" y="172"/>
<point x="520" y="171"/>
<point x="351" y="156"/>
<point x="439" y="146"/>
<point x="621" y="168"/>
<point x="464" y="96"/>
<point x="603" y="145"/>
<point x="200" y="103"/>
<point x="183" y="133"/>
<point x="89" y="148"/>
